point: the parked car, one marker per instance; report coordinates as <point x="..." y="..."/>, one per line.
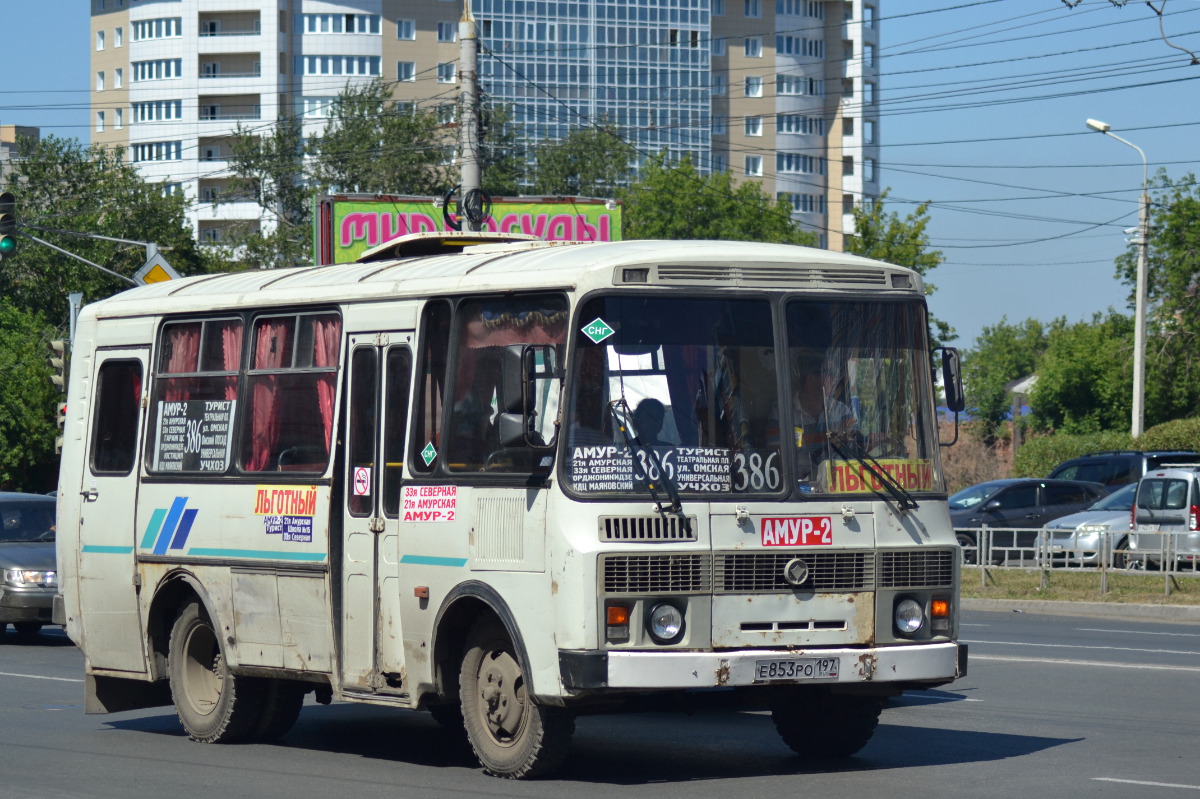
<point x="27" y="563"/>
<point x="1017" y="508"/>
<point x="1078" y="538"/>
<point x="1167" y="501"/>
<point x="1119" y="467"/>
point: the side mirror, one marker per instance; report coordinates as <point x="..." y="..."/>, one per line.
<point x="952" y="380"/>
<point x="993" y="505"/>
<point x="525" y="370"/>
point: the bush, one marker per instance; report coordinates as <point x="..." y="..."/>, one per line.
<point x="971" y="460"/>
<point x="1038" y="456"/>
<point x="1177" y="434"/>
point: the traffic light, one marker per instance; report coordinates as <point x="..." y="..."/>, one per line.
<point x="58" y="362"/>
<point x="8" y="225"/>
<point x="62" y="423"/>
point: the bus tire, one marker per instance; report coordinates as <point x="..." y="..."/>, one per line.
<point x="827" y="726"/>
<point x="281" y="704"/>
<point x="213" y="705"/>
<point x="27" y="627"/>
<point x="512" y="735"/>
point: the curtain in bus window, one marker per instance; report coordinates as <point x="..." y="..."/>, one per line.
<point x="327" y="333"/>
<point x="182" y="357"/>
<point x="231" y="353"/>
<point x="272" y="344"/>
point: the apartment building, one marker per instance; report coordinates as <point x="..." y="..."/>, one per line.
<point x="778" y="91"/>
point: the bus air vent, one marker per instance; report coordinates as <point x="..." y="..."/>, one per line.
<point x="767" y="275"/>
<point x="750" y="572"/>
<point x="655" y="574"/>
<point x="649" y="529"/>
<point x="917" y="568"/>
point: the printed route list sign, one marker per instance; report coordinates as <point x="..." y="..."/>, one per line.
<point x="193" y="435"/>
<point x="610" y="468"/>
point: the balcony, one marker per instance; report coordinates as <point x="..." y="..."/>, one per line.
<point x="229" y="23"/>
<point x="230" y="107"/>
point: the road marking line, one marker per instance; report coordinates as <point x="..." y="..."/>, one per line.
<point x="1136" y="632"/>
<point x="39" y="677"/>
<point x="1065" y="662"/>
<point x="1085" y="646"/>
<point x="1147" y="782"/>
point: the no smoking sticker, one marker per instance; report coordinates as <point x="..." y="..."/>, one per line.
<point x="362" y="481"/>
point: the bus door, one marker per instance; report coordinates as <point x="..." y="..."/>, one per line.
<point x="372" y="641"/>
<point x="108" y="595"/>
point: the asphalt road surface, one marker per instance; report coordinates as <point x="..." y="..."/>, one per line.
<point x="1053" y="706"/>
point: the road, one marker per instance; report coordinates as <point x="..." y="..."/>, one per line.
<point x="1053" y="706"/>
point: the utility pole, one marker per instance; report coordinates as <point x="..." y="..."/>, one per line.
<point x="470" y="179"/>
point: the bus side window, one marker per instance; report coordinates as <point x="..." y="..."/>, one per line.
<point x="397" y="382"/>
<point x="114" y="430"/>
<point x="426" y="442"/>
<point x="363" y="420"/>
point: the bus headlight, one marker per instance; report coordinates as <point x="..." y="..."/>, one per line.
<point x="665" y="623"/>
<point x="909" y="617"/>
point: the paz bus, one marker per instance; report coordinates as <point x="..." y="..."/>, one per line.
<point x="511" y="482"/>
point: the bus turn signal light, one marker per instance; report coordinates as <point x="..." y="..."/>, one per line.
<point x="939" y="608"/>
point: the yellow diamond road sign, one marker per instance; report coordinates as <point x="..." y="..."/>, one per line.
<point x="156" y="270"/>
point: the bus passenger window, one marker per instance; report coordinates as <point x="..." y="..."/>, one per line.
<point x="114" y="430"/>
<point x="397" y="381"/>
<point x="426" y="444"/>
<point x="290" y="392"/>
<point x="364" y="417"/>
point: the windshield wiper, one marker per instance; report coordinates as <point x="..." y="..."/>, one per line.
<point x="635" y="445"/>
<point x="904" y="500"/>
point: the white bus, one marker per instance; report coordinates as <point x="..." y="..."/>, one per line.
<point x="511" y="483"/>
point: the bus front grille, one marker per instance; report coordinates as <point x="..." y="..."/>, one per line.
<point x="750" y="572"/>
<point x="649" y="529"/>
<point x="917" y="568"/>
<point x="656" y="574"/>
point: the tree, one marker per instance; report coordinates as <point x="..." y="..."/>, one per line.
<point x="1002" y="353"/>
<point x="28" y="403"/>
<point x="673" y="201"/>
<point x="903" y="242"/>
<point x="589" y="162"/>
<point x="65" y="185"/>
<point x="1084" y="376"/>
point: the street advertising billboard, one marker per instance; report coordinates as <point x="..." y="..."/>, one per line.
<point x="347" y="225"/>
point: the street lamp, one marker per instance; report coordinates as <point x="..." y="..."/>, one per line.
<point x="1139" y="316"/>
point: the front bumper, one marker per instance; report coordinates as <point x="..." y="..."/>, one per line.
<point x="936" y="663"/>
<point x="16" y="605"/>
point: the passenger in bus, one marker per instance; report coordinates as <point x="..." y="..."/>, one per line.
<point x="648" y="421"/>
<point x="819" y="414"/>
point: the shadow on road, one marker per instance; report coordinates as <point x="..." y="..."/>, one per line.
<point x="635" y="749"/>
<point x="47" y="636"/>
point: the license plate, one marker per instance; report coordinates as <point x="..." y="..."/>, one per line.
<point x="796" y="669"/>
<point x="1147" y="528"/>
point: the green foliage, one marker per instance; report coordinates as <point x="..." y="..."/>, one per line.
<point x="1177" y="434"/>
<point x="589" y="162"/>
<point x="673" y="201"/>
<point x="1002" y="354"/>
<point x="270" y="168"/>
<point x="1036" y="457"/>
<point x="65" y="185"/>
<point x="1085" y="376"/>
<point x="904" y="242"/>
<point x="28" y="402"/>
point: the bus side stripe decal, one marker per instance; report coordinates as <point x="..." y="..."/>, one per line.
<point x="254" y="553"/>
<point x="164" y="538"/>
<point x="185" y="527"/>
<point x="156" y="520"/>
<point x="430" y="560"/>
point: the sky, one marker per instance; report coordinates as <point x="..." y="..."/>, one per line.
<point x="982" y="111"/>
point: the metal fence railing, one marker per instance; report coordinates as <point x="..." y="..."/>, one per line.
<point x="1173" y="555"/>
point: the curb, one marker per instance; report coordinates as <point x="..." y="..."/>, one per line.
<point x="1111" y="610"/>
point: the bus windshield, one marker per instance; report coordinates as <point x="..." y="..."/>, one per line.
<point x="711" y="403"/>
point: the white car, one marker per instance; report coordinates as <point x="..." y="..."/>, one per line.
<point x="1078" y="538"/>
<point x="1167" y="518"/>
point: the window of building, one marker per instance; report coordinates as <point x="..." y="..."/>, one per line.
<point x="848" y="165"/>
<point x="720" y="124"/>
<point x="100" y="81"/>
<point x="869" y="55"/>
<point x="157" y="151"/>
<point x="847" y="126"/>
<point x="338" y="65"/>
<point x="337" y="23"/>
<point x="799" y="85"/>
<point x="406" y="29"/>
<point x="868" y="17"/>
<point x="753" y="8"/>
<point x="799" y="163"/>
<point x="847" y="203"/>
<point x="718" y="46"/>
<point x="119" y="118"/>
<point x="289" y="392"/>
<point x="717" y="8"/>
<point x="158" y="111"/>
<point x="754" y="126"/>
<point x="118" y="78"/>
<point x="799" y="123"/>
<point x="447" y="32"/>
<point x="447" y="72"/>
<point x="868" y="94"/>
<point x="869" y="170"/>
<point x="164" y="28"/>
<point x="115" y="426"/>
<point x="754" y="165"/>
<point x="406" y="70"/>
<point x="868" y="132"/>
<point x="159" y="69"/>
<point x="99" y="121"/>
<point x="720" y="84"/>
<point x="754" y="86"/>
<point x="99" y="40"/>
<point x="753" y="47"/>
<point x="318" y="107"/>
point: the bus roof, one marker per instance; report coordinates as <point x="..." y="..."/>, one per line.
<point x="522" y="266"/>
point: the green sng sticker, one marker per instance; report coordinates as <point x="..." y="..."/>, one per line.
<point x="597" y="330"/>
<point x="428" y="454"/>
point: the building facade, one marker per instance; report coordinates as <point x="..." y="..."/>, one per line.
<point x="783" y="92"/>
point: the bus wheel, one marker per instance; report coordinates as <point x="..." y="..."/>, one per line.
<point x="512" y="735"/>
<point x="213" y="705"/>
<point x="281" y="703"/>
<point x="827" y="726"/>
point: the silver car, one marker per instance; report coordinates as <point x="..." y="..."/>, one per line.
<point x="1078" y="539"/>
<point x="1167" y="518"/>
<point x="28" y="577"/>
